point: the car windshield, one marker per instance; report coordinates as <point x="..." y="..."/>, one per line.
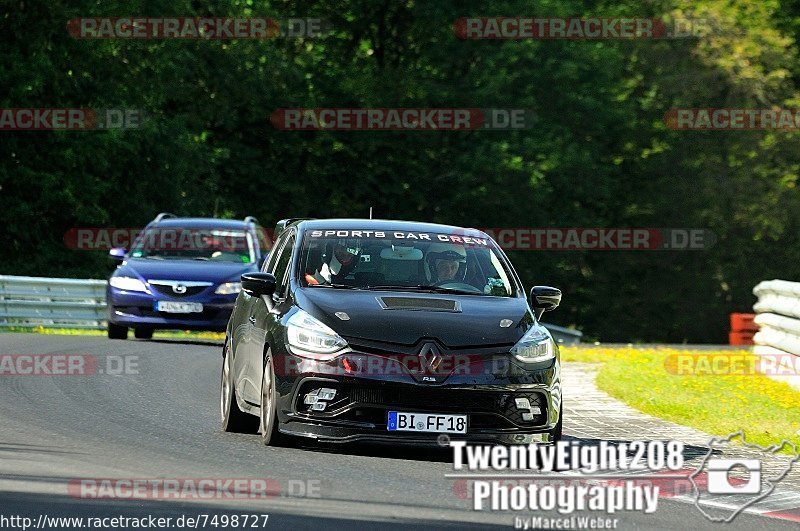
<point x="194" y="244"/>
<point x="404" y="261"/>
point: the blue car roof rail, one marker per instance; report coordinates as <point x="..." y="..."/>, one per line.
<point x="163" y="215"/>
<point x="252" y="221"/>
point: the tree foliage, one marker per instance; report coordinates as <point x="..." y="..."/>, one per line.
<point x="599" y="154"/>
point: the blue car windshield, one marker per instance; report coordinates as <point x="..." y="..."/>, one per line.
<point x="194" y="244"/>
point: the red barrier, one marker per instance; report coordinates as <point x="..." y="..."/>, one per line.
<point x="742" y="329"/>
<point x="743" y="322"/>
<point x="740" y="338"/>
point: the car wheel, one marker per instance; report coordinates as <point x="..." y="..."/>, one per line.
<point x="117" y="331"/>
<point x="270" y="434"/>
<point x="143" y="333"/>
<point x="234" y="420"/>
<point x="555" y="433"/>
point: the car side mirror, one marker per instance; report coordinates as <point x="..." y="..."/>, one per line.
<point x="544" y="299"/>
<point x="258" y="284"/>
<point x="116" y="255"/>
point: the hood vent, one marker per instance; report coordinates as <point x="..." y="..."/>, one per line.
<point x="424" y="304"/>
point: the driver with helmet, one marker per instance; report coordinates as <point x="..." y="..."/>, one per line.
<point x="446" y="262"/>
<point x="338" y="261"/>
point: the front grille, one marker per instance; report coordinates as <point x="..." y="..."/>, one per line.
<point x="367" y="403"/>
<point x="389" y="349"/>
<point x="366" y="396"/>
<point x="167" y="290"/>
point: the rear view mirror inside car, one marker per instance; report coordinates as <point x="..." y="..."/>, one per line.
<point x="397" y="252"/>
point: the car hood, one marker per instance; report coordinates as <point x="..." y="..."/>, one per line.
<point x="476" y="323"/>
<point x="199" y="270"/>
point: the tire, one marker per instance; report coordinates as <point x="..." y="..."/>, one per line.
<point x="117" y="331"/>
<point x="268" y="419"/>
<point x="557" y="432"/>
<point x="234" y="420"/>
<point x="143" y="333"/>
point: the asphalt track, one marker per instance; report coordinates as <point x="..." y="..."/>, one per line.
<point x="162" y="421"/>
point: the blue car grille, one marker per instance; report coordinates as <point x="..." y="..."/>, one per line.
<point x="167" y="290"/>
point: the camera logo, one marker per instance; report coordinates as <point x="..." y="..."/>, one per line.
<point x="721" y="478"/>
<point x="739" y="475"/>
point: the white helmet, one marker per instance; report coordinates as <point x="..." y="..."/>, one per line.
<point x="446" y="252"/>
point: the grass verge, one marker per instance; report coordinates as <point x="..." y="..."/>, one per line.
<point x="697" y="394"/>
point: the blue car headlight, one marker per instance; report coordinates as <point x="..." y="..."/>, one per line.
<point x="535" y="345"/>
<point x="228" y="288"/>
<point x="128" y="284"/>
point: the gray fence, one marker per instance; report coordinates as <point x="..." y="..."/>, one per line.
<point x="52" y="302"/>
<point x="81" y="303"/>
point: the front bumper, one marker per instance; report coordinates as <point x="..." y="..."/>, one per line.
<point x="360" y="409"/>
<point x="137" y="309"/>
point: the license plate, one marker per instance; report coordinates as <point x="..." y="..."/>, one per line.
<point x="427" y="422"/>
<point x="178" y="307"/>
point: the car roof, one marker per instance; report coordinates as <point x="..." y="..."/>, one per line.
<point x="386" y="225"/>
<point x="201" y="223"/>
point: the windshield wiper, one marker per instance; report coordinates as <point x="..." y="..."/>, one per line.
<point x="201" y="258"/>
<point x="442" y="289"/>
<point x="335" y="286"/>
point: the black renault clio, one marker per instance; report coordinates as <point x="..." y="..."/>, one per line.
<point x="389" y="331"/>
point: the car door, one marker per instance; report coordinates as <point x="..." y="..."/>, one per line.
<point x="258" y="319"/>
<point x="248" y="375"/>
<point x="268" y="316"/>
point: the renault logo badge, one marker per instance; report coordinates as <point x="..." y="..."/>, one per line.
<point x="429" y="357"/>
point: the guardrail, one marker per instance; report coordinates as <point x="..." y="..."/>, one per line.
<point x="778" y="318"/>
<point x="564" y="336"/>
<point x="52" y="302"/>
<point x="81" y="303"/>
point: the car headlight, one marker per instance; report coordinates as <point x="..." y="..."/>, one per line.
<point x="535" y="345"/>
<point x="228" y="288"/>
<point x="128" y="284"/>
<point x="312" y="338"/>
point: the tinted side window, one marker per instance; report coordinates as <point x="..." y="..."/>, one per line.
<point x="269" y="265"/>
<point x="282" y="266"/>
